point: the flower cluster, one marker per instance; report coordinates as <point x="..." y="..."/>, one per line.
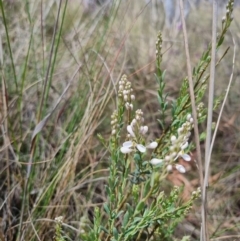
<point x="114" y="122"/>
<point x="229" y="8"/>
<point x="228" y="16"/>
<point x="178" y="146"/>
<point x="200" y="109"/>
<point x="125" y="92"/>
<point x="159" y="46"/>
<point x="136" y="131"/>
<point x="196" y="194"/>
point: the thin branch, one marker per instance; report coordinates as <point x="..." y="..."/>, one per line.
<point x="204" y="234"/>
<point x="224" y="102"/>
<point x="191" y="90"/>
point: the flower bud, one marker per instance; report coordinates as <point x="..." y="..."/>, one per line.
<point x="169" y="168"/>
<point x="152" y="145"/>
<point x="180" y="168"/>
<point x="156" y="161"/>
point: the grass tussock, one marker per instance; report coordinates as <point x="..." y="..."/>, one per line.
<point x="60" y="72"/>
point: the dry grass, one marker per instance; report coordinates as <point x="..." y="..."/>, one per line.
<point x="69" y="165"/>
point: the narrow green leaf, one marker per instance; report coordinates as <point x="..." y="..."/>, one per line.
<point x="140" y="206"/>
<point x="146" y="188"/>
<point x="106" y="208"/>
<point x="108" y="190"/>
<point x="115" y="233"/>
<point x="125" y="219"/>
<point x="103" y="229"/>
<point x="130" y="209"/>
<point x="119" y="214"/>
<point x="161" y="124"/>
<point x="220" y="41"/>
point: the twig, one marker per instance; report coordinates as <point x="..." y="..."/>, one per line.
<point x="224" y="102"/>
<point x="218" y="121"/>
<point x="191" y="90"/>
<point x="204" y="234"/>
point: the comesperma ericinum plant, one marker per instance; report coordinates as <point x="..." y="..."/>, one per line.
<point x="137" y="208"/>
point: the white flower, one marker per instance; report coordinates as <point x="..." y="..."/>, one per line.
<point x="184" y="146"/>
<point x="185" y="157"/>
<point x="143" y="129"/>
<point x="130" y="130"/>
<point x="152" y="145"/>
<point x="127" y="147"/>
<point x="127" y="105"/>
<point x="141" y="148"/>
<point x="133" y="123"/>
<point x="156" y="161"/>
<point x="182" y="154"/>
<point x="180" y="168"/>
